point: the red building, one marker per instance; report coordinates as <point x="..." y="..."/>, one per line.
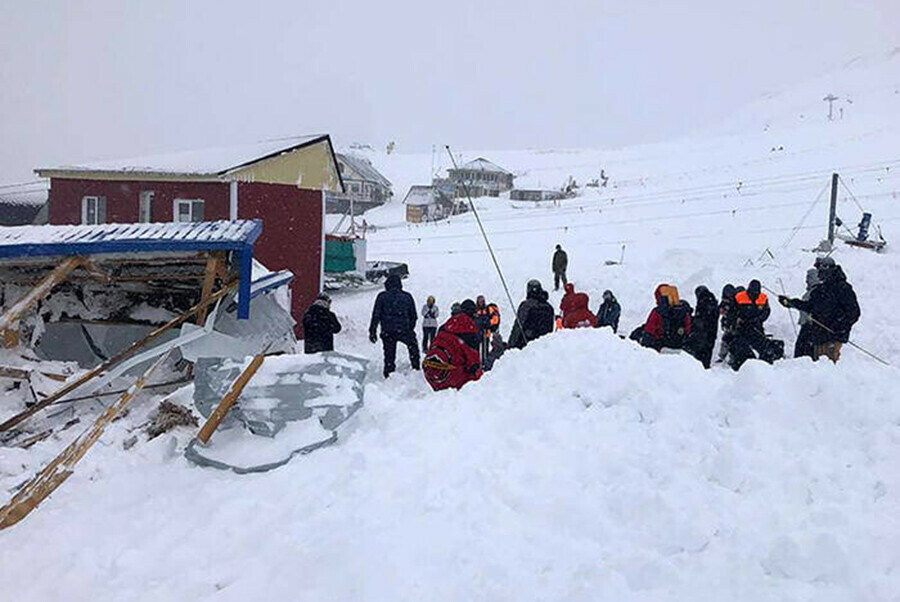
<point x="281" y="182"/>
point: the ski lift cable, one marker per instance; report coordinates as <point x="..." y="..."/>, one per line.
<point x="490" y="249"/>
<point x="805" y="217"/>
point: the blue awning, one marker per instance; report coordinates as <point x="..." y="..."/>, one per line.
<point x="236" y="236"/>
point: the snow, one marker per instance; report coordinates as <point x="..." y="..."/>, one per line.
<point x="582" y="467"/>
<point x="219" y="231"/>
<point x="205" y="162"/>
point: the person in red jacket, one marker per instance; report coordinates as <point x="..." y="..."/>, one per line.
<point x="575" y="312"/>
<point x="669" y="323"/>
<point x="453" y="358"/>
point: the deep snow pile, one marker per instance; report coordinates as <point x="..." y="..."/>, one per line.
<point x="582" y="467"/>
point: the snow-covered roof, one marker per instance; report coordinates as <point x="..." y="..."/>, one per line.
<point x="204" y="162"/>
<point x="419" y="195"/>
<point x="482" y="164"/>
<point x="363" y="167"/>
<point x="45" y="240"/>
<point x="28" y="193"/>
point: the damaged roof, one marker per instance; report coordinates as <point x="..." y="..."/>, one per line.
<point x="482" y="164"/>
<point x="364" y="168"/>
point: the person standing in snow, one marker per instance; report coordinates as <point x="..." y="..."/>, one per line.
<point x="395" y="312"/>
<point x="609" y="311"/>
<point x="560" y="264"/>
<point x="704" y="326"/>
<point x="534" y="317"/>
<point x="430" y="313"/>
<point x="728" y="319"/>
<point x="319" y="326"/>
<point x="804" y="346"/>
<point x="487" y="316"/>
<point x="833" y="310"/>
<point x="750" y="340"/>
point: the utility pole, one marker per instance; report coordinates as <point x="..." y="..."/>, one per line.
<point x="830" y="100"/>
<point x="832" y="212"/>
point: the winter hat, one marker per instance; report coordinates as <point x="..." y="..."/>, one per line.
<point x="558" y="248"/>
<point x="570" y="287"/>
<point x="455" y="309"/>
<point x="607" y="295"/>
<point x="323" y="300"/>
<point x="754" y="288"/>
<point x="533" y="286"/>
<point x="826" y="262"/>
<point x="479" y="300"/>
<point x="812" y="278"/>
<point x="392" y="282"/>
<point x="728" y="291"/>
<point x="468" y="307"/>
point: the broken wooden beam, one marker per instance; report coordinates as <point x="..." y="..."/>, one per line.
<point x="127" y="353"/>
<point x="218" y="415"/>
<point x="9" y="321"/>
<point x="61" y="468"/>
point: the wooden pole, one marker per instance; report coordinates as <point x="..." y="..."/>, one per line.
<point x="60" y="468"/>
<point x="215" y="419"/>
<point x="131" y="350"/>
<point x="213" y="263"/>
<point x="9" y="321"/>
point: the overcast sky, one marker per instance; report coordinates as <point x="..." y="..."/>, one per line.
<point x="95" y="79"/>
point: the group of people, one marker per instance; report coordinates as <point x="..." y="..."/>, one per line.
<point x="469" y="341"/>
<point x="829" y="309"/>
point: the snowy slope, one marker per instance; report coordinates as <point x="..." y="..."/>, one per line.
<point x="582" y="468"/>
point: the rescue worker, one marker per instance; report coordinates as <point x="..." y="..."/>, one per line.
<point x="728" y="319"/>
<point x="750" y="340"/>
<point x="487" y="316"/>
<point x="609" y="311"/>
<point x="704" y="326"/>
<point x="319" y="326"/>
<point x="804" y="346"/>
<point x="669" y="323"/>
<point x="430" y="313"/>
<point x="560" y="264"/>
<point x="574" y="307"/>
<point x="833" y="310"/>
<point x="453" y="359"/>
<point x="534" y="317"/>
<point x="395" y="312"/>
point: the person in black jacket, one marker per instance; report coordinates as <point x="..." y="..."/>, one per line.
<point x="319" y="326"/>
<point x="395" y="312"/>
<point x="728" y="321"/>
<point x="832" y="308"/>
<point x="560" y="264"/>
<point x="534" y="318"/>
<point x="609" y="312"/>
<point x="705" y="326"/>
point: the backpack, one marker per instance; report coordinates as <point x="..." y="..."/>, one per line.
<point x="674" y="325"/>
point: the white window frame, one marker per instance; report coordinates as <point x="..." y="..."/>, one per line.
<point x="85" y="202"/>
<point x="176" y="214"/>
<point x="145" y="206"/>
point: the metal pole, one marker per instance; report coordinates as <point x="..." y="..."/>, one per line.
<point x="832" y="212"/>
<point x="487" y="242"/>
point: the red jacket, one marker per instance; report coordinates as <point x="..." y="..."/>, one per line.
<point x="656" y="321"/>
<point x="453" y="359"/>
<point x="575" y="309"/>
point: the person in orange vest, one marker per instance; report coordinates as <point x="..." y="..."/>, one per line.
<point x="750" y="340"/>
<point x="487" y="316"/>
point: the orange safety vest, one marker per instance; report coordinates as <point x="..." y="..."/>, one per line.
<point x="743" y="298"/>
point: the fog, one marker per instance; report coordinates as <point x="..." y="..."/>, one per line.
<point x="89" y="80"/>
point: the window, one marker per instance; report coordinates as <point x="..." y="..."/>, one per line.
<point x="93" y="210"/>
<point x="188" y="210"/>
<point x="145" y="206"/>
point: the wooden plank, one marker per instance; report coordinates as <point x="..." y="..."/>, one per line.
<point x="61" y="468"/>
<point x="127" y="353"/>
<point x="213" y="267"/>
<point x="20" y="374"/>
<point x="9" y="321"/>
<point x="215" y="419"/>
